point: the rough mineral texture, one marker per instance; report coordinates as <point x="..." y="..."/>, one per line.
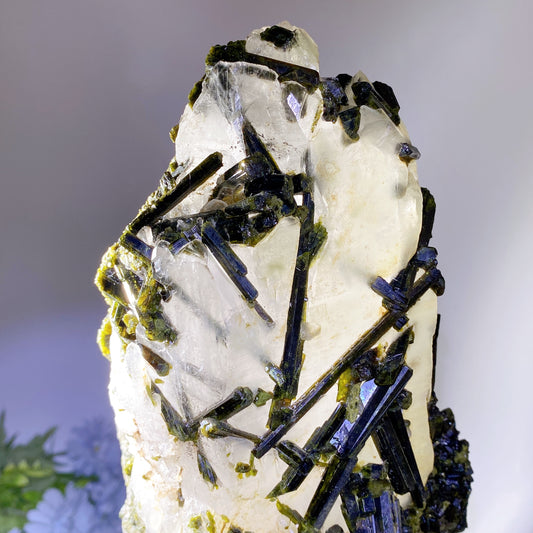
<point x="273" y="316"/>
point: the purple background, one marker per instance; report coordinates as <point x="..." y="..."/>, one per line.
<point x="88" y="92"/>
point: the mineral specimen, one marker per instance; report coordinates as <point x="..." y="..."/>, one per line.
<point x="273" y="317"/>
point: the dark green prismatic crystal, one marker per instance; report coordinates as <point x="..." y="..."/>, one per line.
<point x="279" y="36"/>
<point x="235" y="51"/>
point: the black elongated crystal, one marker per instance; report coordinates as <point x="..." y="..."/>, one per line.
<point x="338" y="472"/>
<point x="111" y="285"/>
<point x="229" y="261"/>
<point x="350" y="508"/>
<point x="213" y="429"/>
<point x="183" y="188"/>
<point x="292" y="454"/>
<point x="291" y="361"/>
<point x="235" y="51"/>
<point x="155" y="361"/>
<point x="325" y="382"/>
<point x="407" y="152"/>
<point x="207" y="471"/>
<point x="406" y="277"/>
<point x="428" y="217"/>
<point x="257" y="165"/>
<point x="275" y="374"/>
<point x="136" y="245"/>
<point x="351" y="120"/>
<point x="367" y="94"/>
<point x="255" y="146"/>
<point x="279" y="36"/>
<point x="222" y="250"/>
<point x="390" y="513"/>
<point x="176" y="425"/>
<point x="178" y="245"/>
<point x="238" y="400"/>
<point x="394" y="447"/>
<point x="384" y="516"/>
<point x="294" y="476"/>
<point x="388" y="367"/>
<point x="335" y="529"/>
<point x="386" y="92"/>
<point x="394" y="300"/>
<point x="243" y="284"/>
<point x="333" y="96"/>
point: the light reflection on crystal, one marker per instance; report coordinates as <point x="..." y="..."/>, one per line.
<point x="341" y="435"/>
<point x="367" y="388"/>
<point x="295" y="106"/>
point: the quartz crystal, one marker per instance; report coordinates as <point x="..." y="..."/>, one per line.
<point x="272" y="322"/>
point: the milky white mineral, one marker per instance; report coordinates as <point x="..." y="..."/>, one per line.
<point x="273" y="312"/>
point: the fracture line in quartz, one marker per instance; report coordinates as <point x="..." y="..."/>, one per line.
<point x="220" y="329"/>
<point x="197" y="373"/>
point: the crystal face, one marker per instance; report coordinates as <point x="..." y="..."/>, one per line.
<point x="272" y="322"/>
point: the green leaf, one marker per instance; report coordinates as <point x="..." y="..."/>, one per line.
<point x="10" y="519"/>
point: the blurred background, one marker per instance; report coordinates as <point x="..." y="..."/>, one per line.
<point x="88" y="93"/>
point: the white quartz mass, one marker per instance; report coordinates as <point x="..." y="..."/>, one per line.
<point x="370" y="203"/>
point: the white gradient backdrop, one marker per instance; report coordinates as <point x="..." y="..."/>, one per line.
<point x="88" y="92"/>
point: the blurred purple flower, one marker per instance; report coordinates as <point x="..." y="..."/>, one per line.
<point x="71" y="512"/>
<point x="92" y="451"/>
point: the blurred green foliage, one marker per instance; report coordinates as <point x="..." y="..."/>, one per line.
<point x="26" y="472"/>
